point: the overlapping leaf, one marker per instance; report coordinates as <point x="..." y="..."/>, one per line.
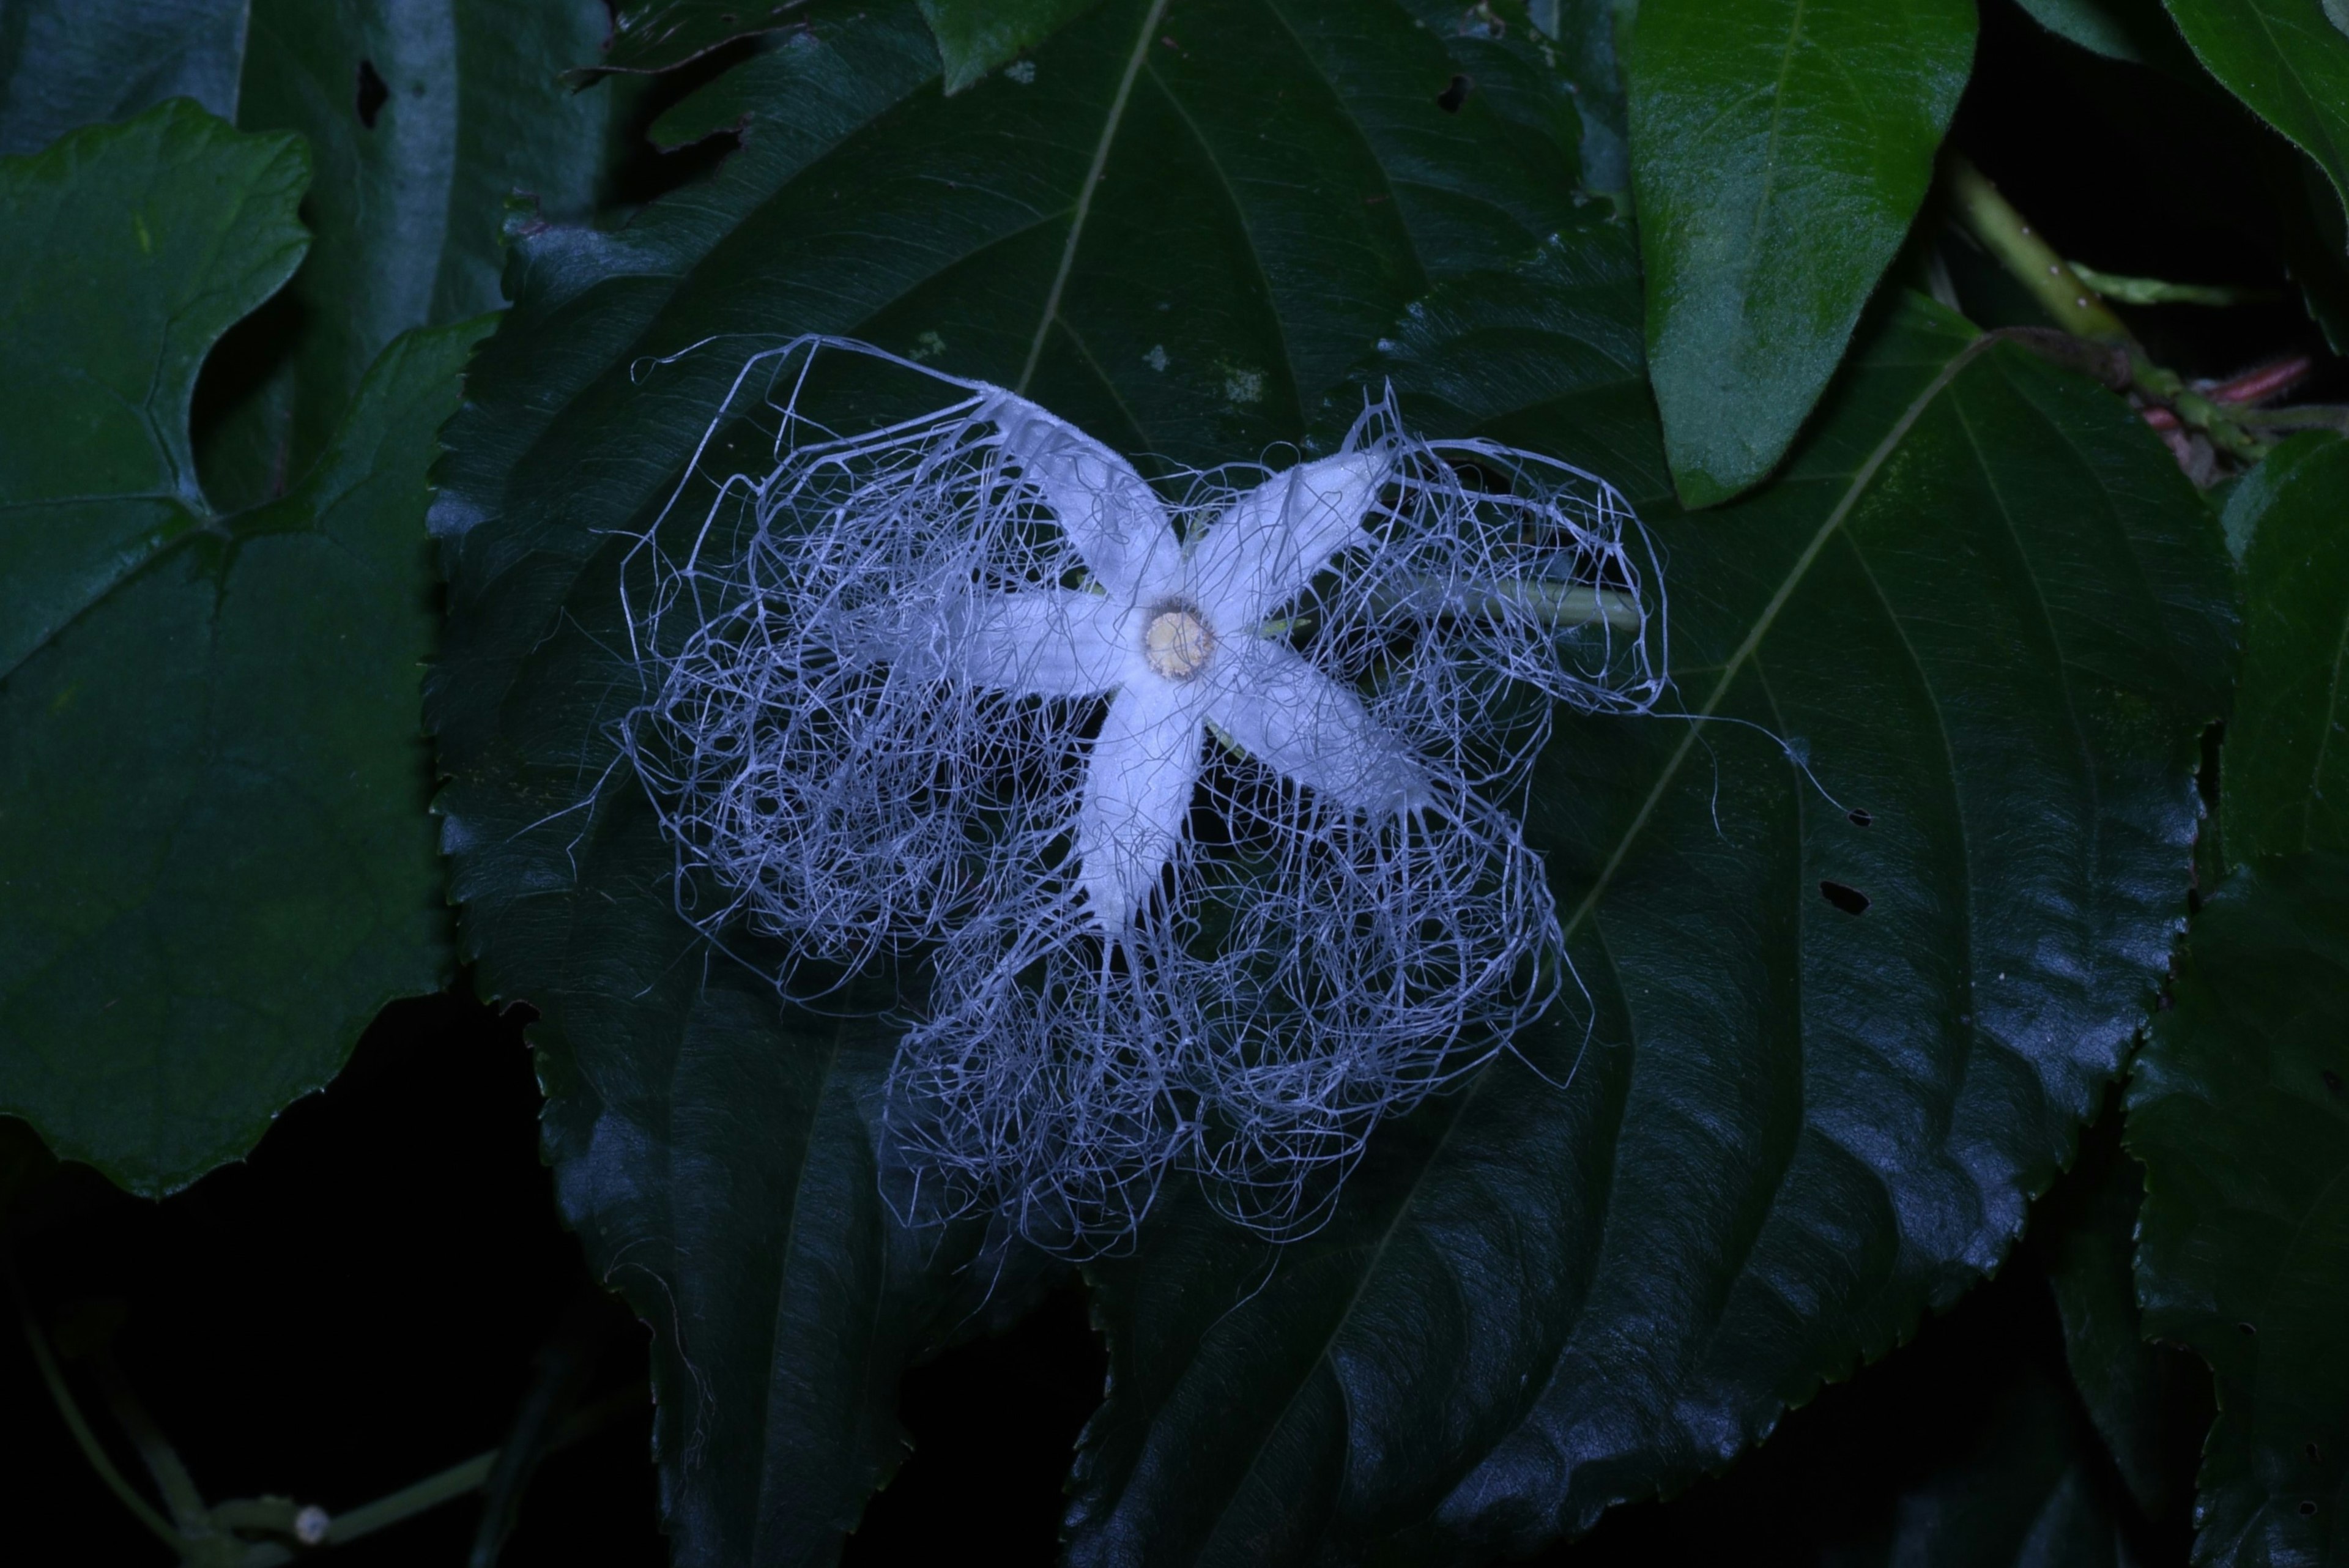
<point x="2289" y="61"/>
<point x="1779" y="149"/>
<point x="424" y="122"/>
<point x="1831" y="1047"/>
<point x="211" y="770"/>
<point x="1792" y="1126"/>
<point x="717" y="1151"/>
<point x="2287" y="763"/>
<point x="2239" y="1112"/>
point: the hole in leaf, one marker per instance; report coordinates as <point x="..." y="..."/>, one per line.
<point x="373" y="92"/>
<point x="1454" y="95"/>
<point x="1861" y="816"/>
<point x="2331" y="1080"/>
<point x="2307" y="1506"/>
<point x="1850" y="900"/>
<point x="2246" y="1328"/>
<point x="2313" y="1455"/>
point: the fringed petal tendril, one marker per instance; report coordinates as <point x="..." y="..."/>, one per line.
<point x="1194" y="807"/>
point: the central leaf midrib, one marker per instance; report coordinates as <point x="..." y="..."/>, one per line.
<point x="1085" y="192"/>
<point x="1855" y="486"/>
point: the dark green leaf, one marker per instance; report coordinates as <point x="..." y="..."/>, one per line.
<point x="2025" y="1495"/>
<point x="425" y="122"/>
<point x="134" y="250"/>
<point x="716" y="1150"/>
<point x="1585" y="34"/>
<point x="2085" y="1232"/>
<point x="2239" y="1111"/>
<point x="2286" y="60"/>
<point x="2316" y="235"/>
<point x="2113" y="28"/>
<point x="661" y="35"/>
<point x="65" y="64"/>
<point x="1985" y="607"/>
<point x="211" y="777"/>
<point x="977" y="36"/>
<point x="1779" y="150"/>
<point x="2285" y="785"/>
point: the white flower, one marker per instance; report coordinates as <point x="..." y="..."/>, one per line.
<point x="1178" y="635"/>
<point x="1191" y="806"/>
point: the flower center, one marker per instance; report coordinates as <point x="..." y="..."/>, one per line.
<point x="1177" y="642"/>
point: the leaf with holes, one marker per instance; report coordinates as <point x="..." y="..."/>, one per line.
<point x="717" y="1152"/>
<point x="212" y="778"/>
<point x="2285" y="784"/>
<point x="425" y="123"/>
<point x="2240" y="1113"/>
<point x="1813" y="1148"/>
<point x="1985" y="613"/>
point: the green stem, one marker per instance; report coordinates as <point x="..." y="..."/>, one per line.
<point x="450" y="1484"/>
<point x="1559" y="604"/>
<point x="140" y="1508"/>
<point x="2300" y="417"/>
<point x="2079" y="309"/>
<point x="162" y="1460"/>
<point x="2155" y="291"/>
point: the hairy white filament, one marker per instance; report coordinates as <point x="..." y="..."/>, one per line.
<point x="1194" y="805"/>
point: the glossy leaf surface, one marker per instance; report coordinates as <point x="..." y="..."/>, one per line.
<point x="2026" y="871"/>
<point x="1790" y="1128"/>
<point x="1779" y="150"/>
<point x="2287" y="759"/>
<point x="210" y="755"/>
<point x="2239" y="1112"/>
<point x="717" y="1152"/>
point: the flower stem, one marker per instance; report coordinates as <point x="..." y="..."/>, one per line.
<point x="2080" y="310"/>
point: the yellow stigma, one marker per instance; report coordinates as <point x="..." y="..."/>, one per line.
<point x="1177" y="642"/>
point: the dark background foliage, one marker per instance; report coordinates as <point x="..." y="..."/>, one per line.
<point x="364" y="1299"/>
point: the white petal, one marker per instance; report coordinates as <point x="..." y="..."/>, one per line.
<point x="1109" y="512"/>
<point x="1052" y="643"/>
<point x="1268" y="544"/>
<point x="1289" y="716"/>
<point x="1138" y="784"/>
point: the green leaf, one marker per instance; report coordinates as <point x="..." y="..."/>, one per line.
<point x="65" y="64"/>
<point x="2286" y="60"/>
<point x="1987" y="609"/>
<point x="977" y="36"/>
<point x="651" y="35"/>
<point x="141" y="247"/>
<point x="2239" y="1111"/>
<point x="1585" y="35"/>
<point x="2116" y="29"/>
<point x="2285" y="785"/>
<point x="211" y="775"/>
<point x="425" y="121"/>
<point x="716" y="1150"/>
<point x="1779" y="150"/>
<point x="2085" y="1231"/>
